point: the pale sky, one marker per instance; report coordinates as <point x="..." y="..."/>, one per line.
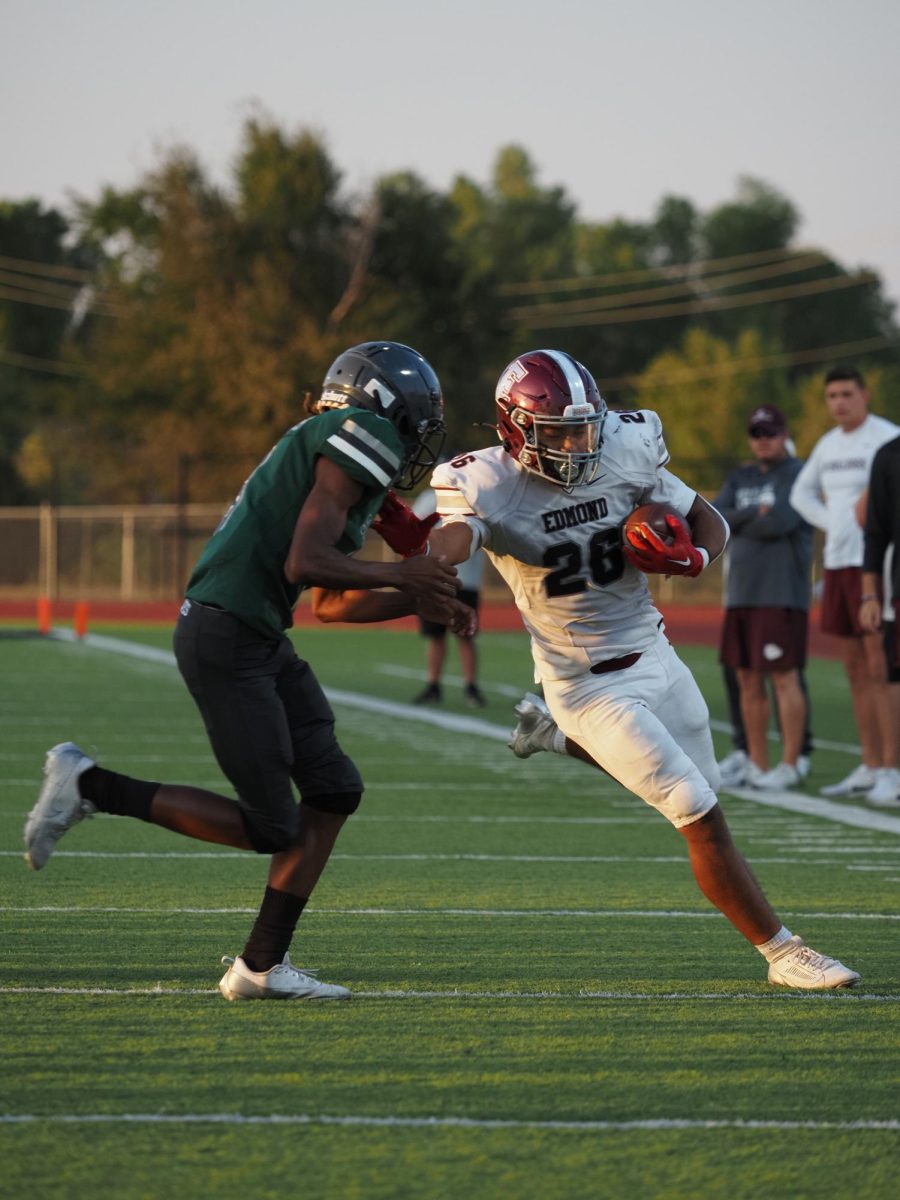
<point x="619" y="103"/>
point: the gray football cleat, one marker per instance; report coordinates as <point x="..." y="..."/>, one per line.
<point x="284" y="981"/>
<point x="798" y="966"/>
<point x="535" y="729"/>
<point x="59" y="805"/>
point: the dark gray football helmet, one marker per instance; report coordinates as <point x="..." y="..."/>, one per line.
<point x="396" y="382"/>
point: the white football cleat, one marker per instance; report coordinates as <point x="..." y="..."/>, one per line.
<point x="857" y="783"/>
<point x="886" y="792"/>
<point x="804" y="765"/>
<point x="535" y="729"/>
<point x="59" y="805"/>
<point x="798" y="966"/>
<point x="284" y="981"/>
<point x="780" y="777"/>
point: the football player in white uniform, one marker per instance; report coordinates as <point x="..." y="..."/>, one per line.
<point x="547" y="506"/>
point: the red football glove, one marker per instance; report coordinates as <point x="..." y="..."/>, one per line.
<point x="404" y="532"/>
<point x="646" y="550"/>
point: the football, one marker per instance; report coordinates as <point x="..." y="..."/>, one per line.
<point x="654" y="515"/>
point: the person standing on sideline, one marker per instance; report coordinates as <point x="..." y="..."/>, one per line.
<point x="295" y="523"/>
<point x="470" y="574"/>
<point x="765" y="634"/>
<point x="547" y="506"/>
<point x="825" y="493"/>
<point x="881" y="567"/>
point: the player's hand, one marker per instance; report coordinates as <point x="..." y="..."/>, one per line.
<point x="427" y="579"/>
<point x="458" y="617"/>
<point x="403" y="531"/>
<point x="646" y="550"/>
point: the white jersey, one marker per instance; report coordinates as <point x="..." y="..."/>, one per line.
<point x="832" y="480"/>
<point x="560" y="552"/>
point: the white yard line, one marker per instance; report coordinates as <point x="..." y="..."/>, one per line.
<point x="244" y="856"/>
<point x="845" y="814"/>
<point x="490" y="913"/>
<point x="839" y="996"/>
<point x="651" y="1125"/>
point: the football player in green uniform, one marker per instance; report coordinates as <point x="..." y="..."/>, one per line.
<point x="295" y="524"/>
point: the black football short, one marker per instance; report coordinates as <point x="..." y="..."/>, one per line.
<point x="434" y="629"/>
<point x="267" y="718"/>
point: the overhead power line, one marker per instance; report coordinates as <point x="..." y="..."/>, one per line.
<point x="629" y="316"/>
<point x="30" y="363"/>
<point x="639" y="274"/>
<point x="19" y="296"/>
<point x="25" y="265"/>
<point x="794" y="266"/>
<point x="740" y="366"/>
<point x="43" y="287"/>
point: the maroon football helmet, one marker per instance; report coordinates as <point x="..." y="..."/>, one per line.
<point x="550" y="417"/>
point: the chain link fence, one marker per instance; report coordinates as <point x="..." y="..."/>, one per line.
<point x="145" y="553"/>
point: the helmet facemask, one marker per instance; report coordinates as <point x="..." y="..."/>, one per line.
<point x="545" y="437"/>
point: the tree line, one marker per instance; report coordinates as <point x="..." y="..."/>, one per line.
<point x="155" y="341"/>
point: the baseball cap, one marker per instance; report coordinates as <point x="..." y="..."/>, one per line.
<point x="767" y="420"/>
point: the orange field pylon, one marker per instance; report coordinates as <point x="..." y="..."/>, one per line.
<point x="80" y="619"/>
<point x="44" y="615"/>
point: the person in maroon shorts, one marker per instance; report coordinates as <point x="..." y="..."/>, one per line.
<point x="826" y="493"/>
<point x="764" y="635"/>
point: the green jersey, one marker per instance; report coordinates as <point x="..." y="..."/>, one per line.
<point x="242" y="566"/>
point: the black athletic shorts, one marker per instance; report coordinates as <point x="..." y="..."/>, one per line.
<point x="434" y="629"/>
<point x="267" y="718"/>
<point x="892" y="646"/>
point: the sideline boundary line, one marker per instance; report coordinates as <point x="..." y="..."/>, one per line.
<point x="456" y="723"/>
<point x="487" y="1123"/>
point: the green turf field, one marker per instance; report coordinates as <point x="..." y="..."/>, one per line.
<point x="544" y="1003"/>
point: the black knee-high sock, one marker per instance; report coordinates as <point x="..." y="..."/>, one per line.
<point x="120" y="795"/>
<point x="273" y="929"/>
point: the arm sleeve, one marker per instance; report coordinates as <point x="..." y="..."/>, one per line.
<point x="806" y="494"/>
<point x="452" y="505"/>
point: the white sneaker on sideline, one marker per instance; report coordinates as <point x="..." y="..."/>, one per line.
<point x="857" y="783"/>
<point x="749" y="776"/>
<point x="535" y="729"/>
<point x="886" y="792"/>
<point x="733" y="768"/>
<point x="804" y="765"/>
<point x="284" y="981"/>
<point x="798" y="966"/>
<point x="780" y="777"/>
<point x="59" y="805"/>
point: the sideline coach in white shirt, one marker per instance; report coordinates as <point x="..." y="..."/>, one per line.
<point x="825" y="492"/>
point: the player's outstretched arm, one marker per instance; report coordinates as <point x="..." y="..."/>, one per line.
<point x="452" y="542"/>
<point x="314" y="560"/>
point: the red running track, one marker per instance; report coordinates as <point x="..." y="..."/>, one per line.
<point x="686" y="624"/>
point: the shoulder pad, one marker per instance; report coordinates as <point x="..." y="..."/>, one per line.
<point x="633" y="445"/>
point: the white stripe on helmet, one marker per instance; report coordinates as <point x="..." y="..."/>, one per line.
<point x="577" y="390"/>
